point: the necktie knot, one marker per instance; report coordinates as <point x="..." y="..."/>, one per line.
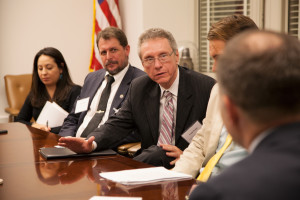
<point x="167" y="95"/>
<point x="110" y="79"/>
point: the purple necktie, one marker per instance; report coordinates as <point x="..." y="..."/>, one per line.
<point x="167" y="123"/>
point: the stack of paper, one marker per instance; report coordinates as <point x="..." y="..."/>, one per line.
<point x="52" y="115"/>
<point x="144" y="175"/>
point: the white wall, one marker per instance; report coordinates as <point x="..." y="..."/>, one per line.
<point x="27" y="26"/>
<point x="132" y="22"/>
<point x="274" y="15"/>
<point x="177" y="16"/>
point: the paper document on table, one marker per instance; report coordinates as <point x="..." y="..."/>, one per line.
<point x="52" y="114"/>
<point x="144" y="175"/>
<point x="114" y="198"/>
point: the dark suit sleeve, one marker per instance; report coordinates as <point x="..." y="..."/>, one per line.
<point x="68" y="104"/>
<point x="74" y="120"/>
<point x="25" y="113"/>
<point x="116" y="127"/>
<point x="204" y="191"/>
<point x="72" y="98"/>
<point x="70" y="124"/>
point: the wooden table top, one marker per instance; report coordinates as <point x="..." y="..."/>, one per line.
<point x="27" y="175"/>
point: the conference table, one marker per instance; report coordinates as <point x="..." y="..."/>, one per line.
<point x="27" y="175"/>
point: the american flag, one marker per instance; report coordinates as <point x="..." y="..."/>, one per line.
<point x="106" y="13"/>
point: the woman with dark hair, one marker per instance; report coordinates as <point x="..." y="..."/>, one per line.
<point x="50" y="82"/>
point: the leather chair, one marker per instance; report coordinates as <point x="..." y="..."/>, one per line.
<point x="17" y="88"/>
<point x="132" y="150"/>
<point x="129" y="149"/>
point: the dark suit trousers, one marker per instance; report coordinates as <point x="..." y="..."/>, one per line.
<point x="155" y="155"/>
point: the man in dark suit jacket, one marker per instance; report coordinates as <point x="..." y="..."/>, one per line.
<point x="143" y="109"/>
<point x="259" y="76"/>
<point x="114" y="51"/>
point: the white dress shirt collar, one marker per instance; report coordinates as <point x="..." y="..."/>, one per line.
<point x="119" y="76"/>
<point x="174" y="87"/>
<point x="258" y="140"/>
<point x="95" y="101"/>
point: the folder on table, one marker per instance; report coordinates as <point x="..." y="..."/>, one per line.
<point x="53" y="152"/>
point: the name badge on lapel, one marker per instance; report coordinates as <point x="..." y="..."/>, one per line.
<point x="191" y="132"/>
<point x="82" y="105"/>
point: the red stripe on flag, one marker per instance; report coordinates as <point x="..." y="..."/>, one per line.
<point x="110" y="18"/>
<point x="97" y="28"/>
<point x="105" y="10"/>
<point x="117" y="3"/>
<point x="95" y="63"/>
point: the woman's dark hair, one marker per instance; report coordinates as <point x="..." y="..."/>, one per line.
<point x="39" y="94"/>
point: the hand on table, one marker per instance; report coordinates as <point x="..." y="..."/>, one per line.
<point x="78" y="145"/>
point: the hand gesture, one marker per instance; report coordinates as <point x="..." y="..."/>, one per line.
<point x="78" y="145"/>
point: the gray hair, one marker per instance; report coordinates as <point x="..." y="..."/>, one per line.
<point x="154" y="33"/>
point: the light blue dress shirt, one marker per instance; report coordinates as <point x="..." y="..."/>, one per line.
<point x="232" y="154"/>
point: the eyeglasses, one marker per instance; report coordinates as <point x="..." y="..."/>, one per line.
<point x="162" y="58"/>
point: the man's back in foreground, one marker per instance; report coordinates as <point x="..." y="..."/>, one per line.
<point x="259" y="77"/>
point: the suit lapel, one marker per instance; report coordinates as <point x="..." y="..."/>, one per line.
<point x="95" y="87"/>
<point x="122" y="90"/>
<point x="151" y="106"/>
<point x="184" y="104"/>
